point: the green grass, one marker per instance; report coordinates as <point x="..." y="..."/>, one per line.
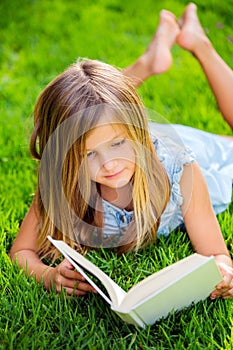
<point x="39" y="39"/>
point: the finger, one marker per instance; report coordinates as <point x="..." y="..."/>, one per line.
<point x="214" y="295"/>
<point x="74" y="284"/>
<point x="61" y="281"/>
<point x="84" y="286"/>
<point x="217" y="293"/>
<point x="225" y="283"/>
<point x="228" y="296"/>
<point x="71" y="291"/>
<point x="228" y="293"/>
<point x="225" y="269"/>
<point x="225" y="293"/>
<point x="71" y="274"/>
<point x="67" y="264"/>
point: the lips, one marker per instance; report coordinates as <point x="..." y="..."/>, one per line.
<point x="114" y="175"/>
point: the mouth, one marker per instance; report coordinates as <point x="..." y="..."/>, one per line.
<point x="113" y="176"/>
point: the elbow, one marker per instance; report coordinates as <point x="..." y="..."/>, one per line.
<point x="12" y="253"/>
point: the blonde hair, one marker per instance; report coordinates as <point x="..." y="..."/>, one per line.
<point x="81" y="93"/>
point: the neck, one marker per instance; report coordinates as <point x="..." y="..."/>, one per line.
<point x="120" y="197"/>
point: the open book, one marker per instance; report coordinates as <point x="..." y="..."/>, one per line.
<point x="189" y="280"/>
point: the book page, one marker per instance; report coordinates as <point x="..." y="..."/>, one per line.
<point x="168" y="276"/>
<point x="115" y="292"/>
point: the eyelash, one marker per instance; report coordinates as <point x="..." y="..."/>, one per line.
<point x="89" y="154"/>
<point x="116" y="144"/>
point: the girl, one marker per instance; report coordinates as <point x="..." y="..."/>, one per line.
<point x="107" y="179"/>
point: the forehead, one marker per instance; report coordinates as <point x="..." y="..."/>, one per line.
<point x="104" y="133"/>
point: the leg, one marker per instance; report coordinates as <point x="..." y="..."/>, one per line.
<point x="157" y="57"/>
<point x="219" y="75"/>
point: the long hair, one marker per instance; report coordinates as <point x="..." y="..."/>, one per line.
<point x="65" y="112"/>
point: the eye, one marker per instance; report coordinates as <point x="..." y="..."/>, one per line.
<point x="118" y="143"/>
<point x="90" y="154"/>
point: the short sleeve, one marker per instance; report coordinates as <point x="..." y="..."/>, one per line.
<point x="173" y="157"/>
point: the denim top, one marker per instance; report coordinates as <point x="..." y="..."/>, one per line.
<point x="174" y="145"/>
<point x="173" y="155"/>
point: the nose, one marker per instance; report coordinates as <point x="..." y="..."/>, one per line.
<point x="110" y="164"/>
<point x="107" y="161"/>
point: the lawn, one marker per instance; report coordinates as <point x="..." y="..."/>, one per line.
<point x="39" y="39"/>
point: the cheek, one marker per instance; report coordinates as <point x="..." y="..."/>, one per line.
<point x="132" y="166"/>
<point x="130" y="156"/>
<point x="129" y="161"/>
<point x="94" y="169"/>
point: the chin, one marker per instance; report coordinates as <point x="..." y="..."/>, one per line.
<point x="119" y="184"/>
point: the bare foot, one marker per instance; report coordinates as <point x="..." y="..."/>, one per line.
<point x="157" y="58"/>
<point x="192" y="35"/>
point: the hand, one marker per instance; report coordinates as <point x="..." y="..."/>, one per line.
<point x="64" y="276"/>
<point x="225" y="288"/>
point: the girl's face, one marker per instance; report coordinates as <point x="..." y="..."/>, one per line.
<point x="110" y="155"/>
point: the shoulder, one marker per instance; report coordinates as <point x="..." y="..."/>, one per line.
<point x="173" y="155"/>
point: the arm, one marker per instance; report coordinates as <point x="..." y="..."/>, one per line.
<point x="24" y="251"/>
<point x="203" y="228"/>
